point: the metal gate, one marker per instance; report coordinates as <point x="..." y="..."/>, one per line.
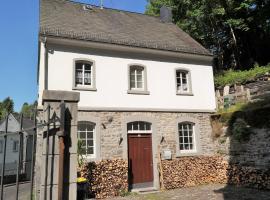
<point x="20" y="163"/>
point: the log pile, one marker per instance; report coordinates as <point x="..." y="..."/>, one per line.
<point x="249" y="177"/>
<point x="192" y="171"/>
<point x="107" y="178"/>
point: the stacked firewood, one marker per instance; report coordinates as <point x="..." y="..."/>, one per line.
<point x="106" y="178"/>
<point x="249" y="176"/>
<point x="191" y="171"/>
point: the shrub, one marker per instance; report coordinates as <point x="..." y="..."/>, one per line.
<point x="241" y="130"/>
<point x="231" y="77"/>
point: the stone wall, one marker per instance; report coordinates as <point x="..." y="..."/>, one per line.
<point x="111" y="127"/>
<point x="106" y="178"/>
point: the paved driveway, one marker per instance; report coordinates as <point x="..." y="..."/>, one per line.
<point x="10" y="191"/>
<point x="205" y="192"/>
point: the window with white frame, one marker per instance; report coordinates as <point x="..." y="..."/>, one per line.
<point x="86" y="138"/>
<point x="183" y="82"/>
<point x="83" y="73"/>
<point x="15" y="146"/>
<point x="139" y="127"/>
<point x="137" y="78"/>
<point x="186" y="133"/>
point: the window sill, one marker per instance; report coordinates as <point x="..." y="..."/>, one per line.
<point x="184" y="94"/>
<point x="191" y="153"/>
<point x="140" y="92"/>
<point x="85" y="88"/>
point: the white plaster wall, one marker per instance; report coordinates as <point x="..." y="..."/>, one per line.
<point x="112" y="83"/>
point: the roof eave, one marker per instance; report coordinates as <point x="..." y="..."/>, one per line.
<point x="185" y="57"/>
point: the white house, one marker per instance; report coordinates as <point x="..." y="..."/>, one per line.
<point x="13" y="148"/>
<point x="146" y="87"/>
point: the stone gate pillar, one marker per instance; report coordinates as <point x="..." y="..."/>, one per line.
<point x="54" y="98"/>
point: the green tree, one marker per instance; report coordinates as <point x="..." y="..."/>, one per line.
<point x="237" y="32"/>
<point x="28" y="110"/>
<point x="7" y="106"/>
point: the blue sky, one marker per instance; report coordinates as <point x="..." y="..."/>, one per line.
<point x="19" y="42"/>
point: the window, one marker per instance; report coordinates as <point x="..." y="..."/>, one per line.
<point x="86" y="137"/>
<point x="84" y="75"/>
<point x="1" y="146"/>
<point x="139" y="127"/>
<point x="15" y="146"/>
<point x="186" y="137"/>
<point x="183" y="82"/>
<point x="137" y="80"/>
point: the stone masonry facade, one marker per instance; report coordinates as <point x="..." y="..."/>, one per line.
<point x="111" y="127"/>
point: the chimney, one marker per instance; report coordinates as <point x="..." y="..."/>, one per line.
<point x="165" y="14"/>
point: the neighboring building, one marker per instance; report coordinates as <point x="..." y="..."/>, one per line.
<point x="146" y="87"/>
<point x="13" y="149"/>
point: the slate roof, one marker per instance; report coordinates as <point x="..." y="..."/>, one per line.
<point x="67" y="19"/>
<point x="27" y="124"/>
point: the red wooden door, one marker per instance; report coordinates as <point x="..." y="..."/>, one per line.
<point x="140" y="158"/>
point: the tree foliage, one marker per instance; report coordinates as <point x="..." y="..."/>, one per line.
<point x="237" y="32"/>
<point x="6" y="106"/>
<point x="28" y="110"/>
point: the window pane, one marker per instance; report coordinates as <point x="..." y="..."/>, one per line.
<point x="129" y="126"/>
<point x="87" y="78"/>
<point x="139" y="78"/>
<point x="185" y="139"/>
<point x="79" y="66"/>
<point x="181" y="146"/>
<point x="139" y="84"/>
<point x="135" y="126"/>
<point x="83" y="143"/>
<point x="186" y="146"/>
<point x="132" y="72"/>
<point x="87" y="67"/>
<point x="132" y="84"/>
<point x="89" y="135"/>
<point x="90" y="143"/>
<point x="90" y="150"/>
<point x="90" y="127"/>
<point x="83" y="151"/>
<point x="148" y="126"/>
<point x="82" y="126"/>
<point x="82" y="135"/>
<point x="191" y="146"/>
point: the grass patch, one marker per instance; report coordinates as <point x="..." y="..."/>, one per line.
<point x="232" y="77"/>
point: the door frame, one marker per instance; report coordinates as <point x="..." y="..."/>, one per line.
<point x="155" y="142"/>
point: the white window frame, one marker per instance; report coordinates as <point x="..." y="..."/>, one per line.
<point x="194" y="150"/>
<point x="136" y="90"/>
<point x="88" y="156"/>
<point x="140" y="129"/>
<point x="188" y="77"/>
<point x="196" y="136"/>
<point x="92" y="86"/>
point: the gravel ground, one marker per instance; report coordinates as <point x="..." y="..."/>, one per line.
<point x="205" y="192"/>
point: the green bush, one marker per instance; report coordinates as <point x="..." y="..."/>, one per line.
<point x="231" y="77"/>
<point x="240" y="130"/>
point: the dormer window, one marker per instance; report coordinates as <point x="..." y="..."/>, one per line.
<point x="137" y="80"/>
<point x="183" y="82"/>
<point x="84" y="75"/>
